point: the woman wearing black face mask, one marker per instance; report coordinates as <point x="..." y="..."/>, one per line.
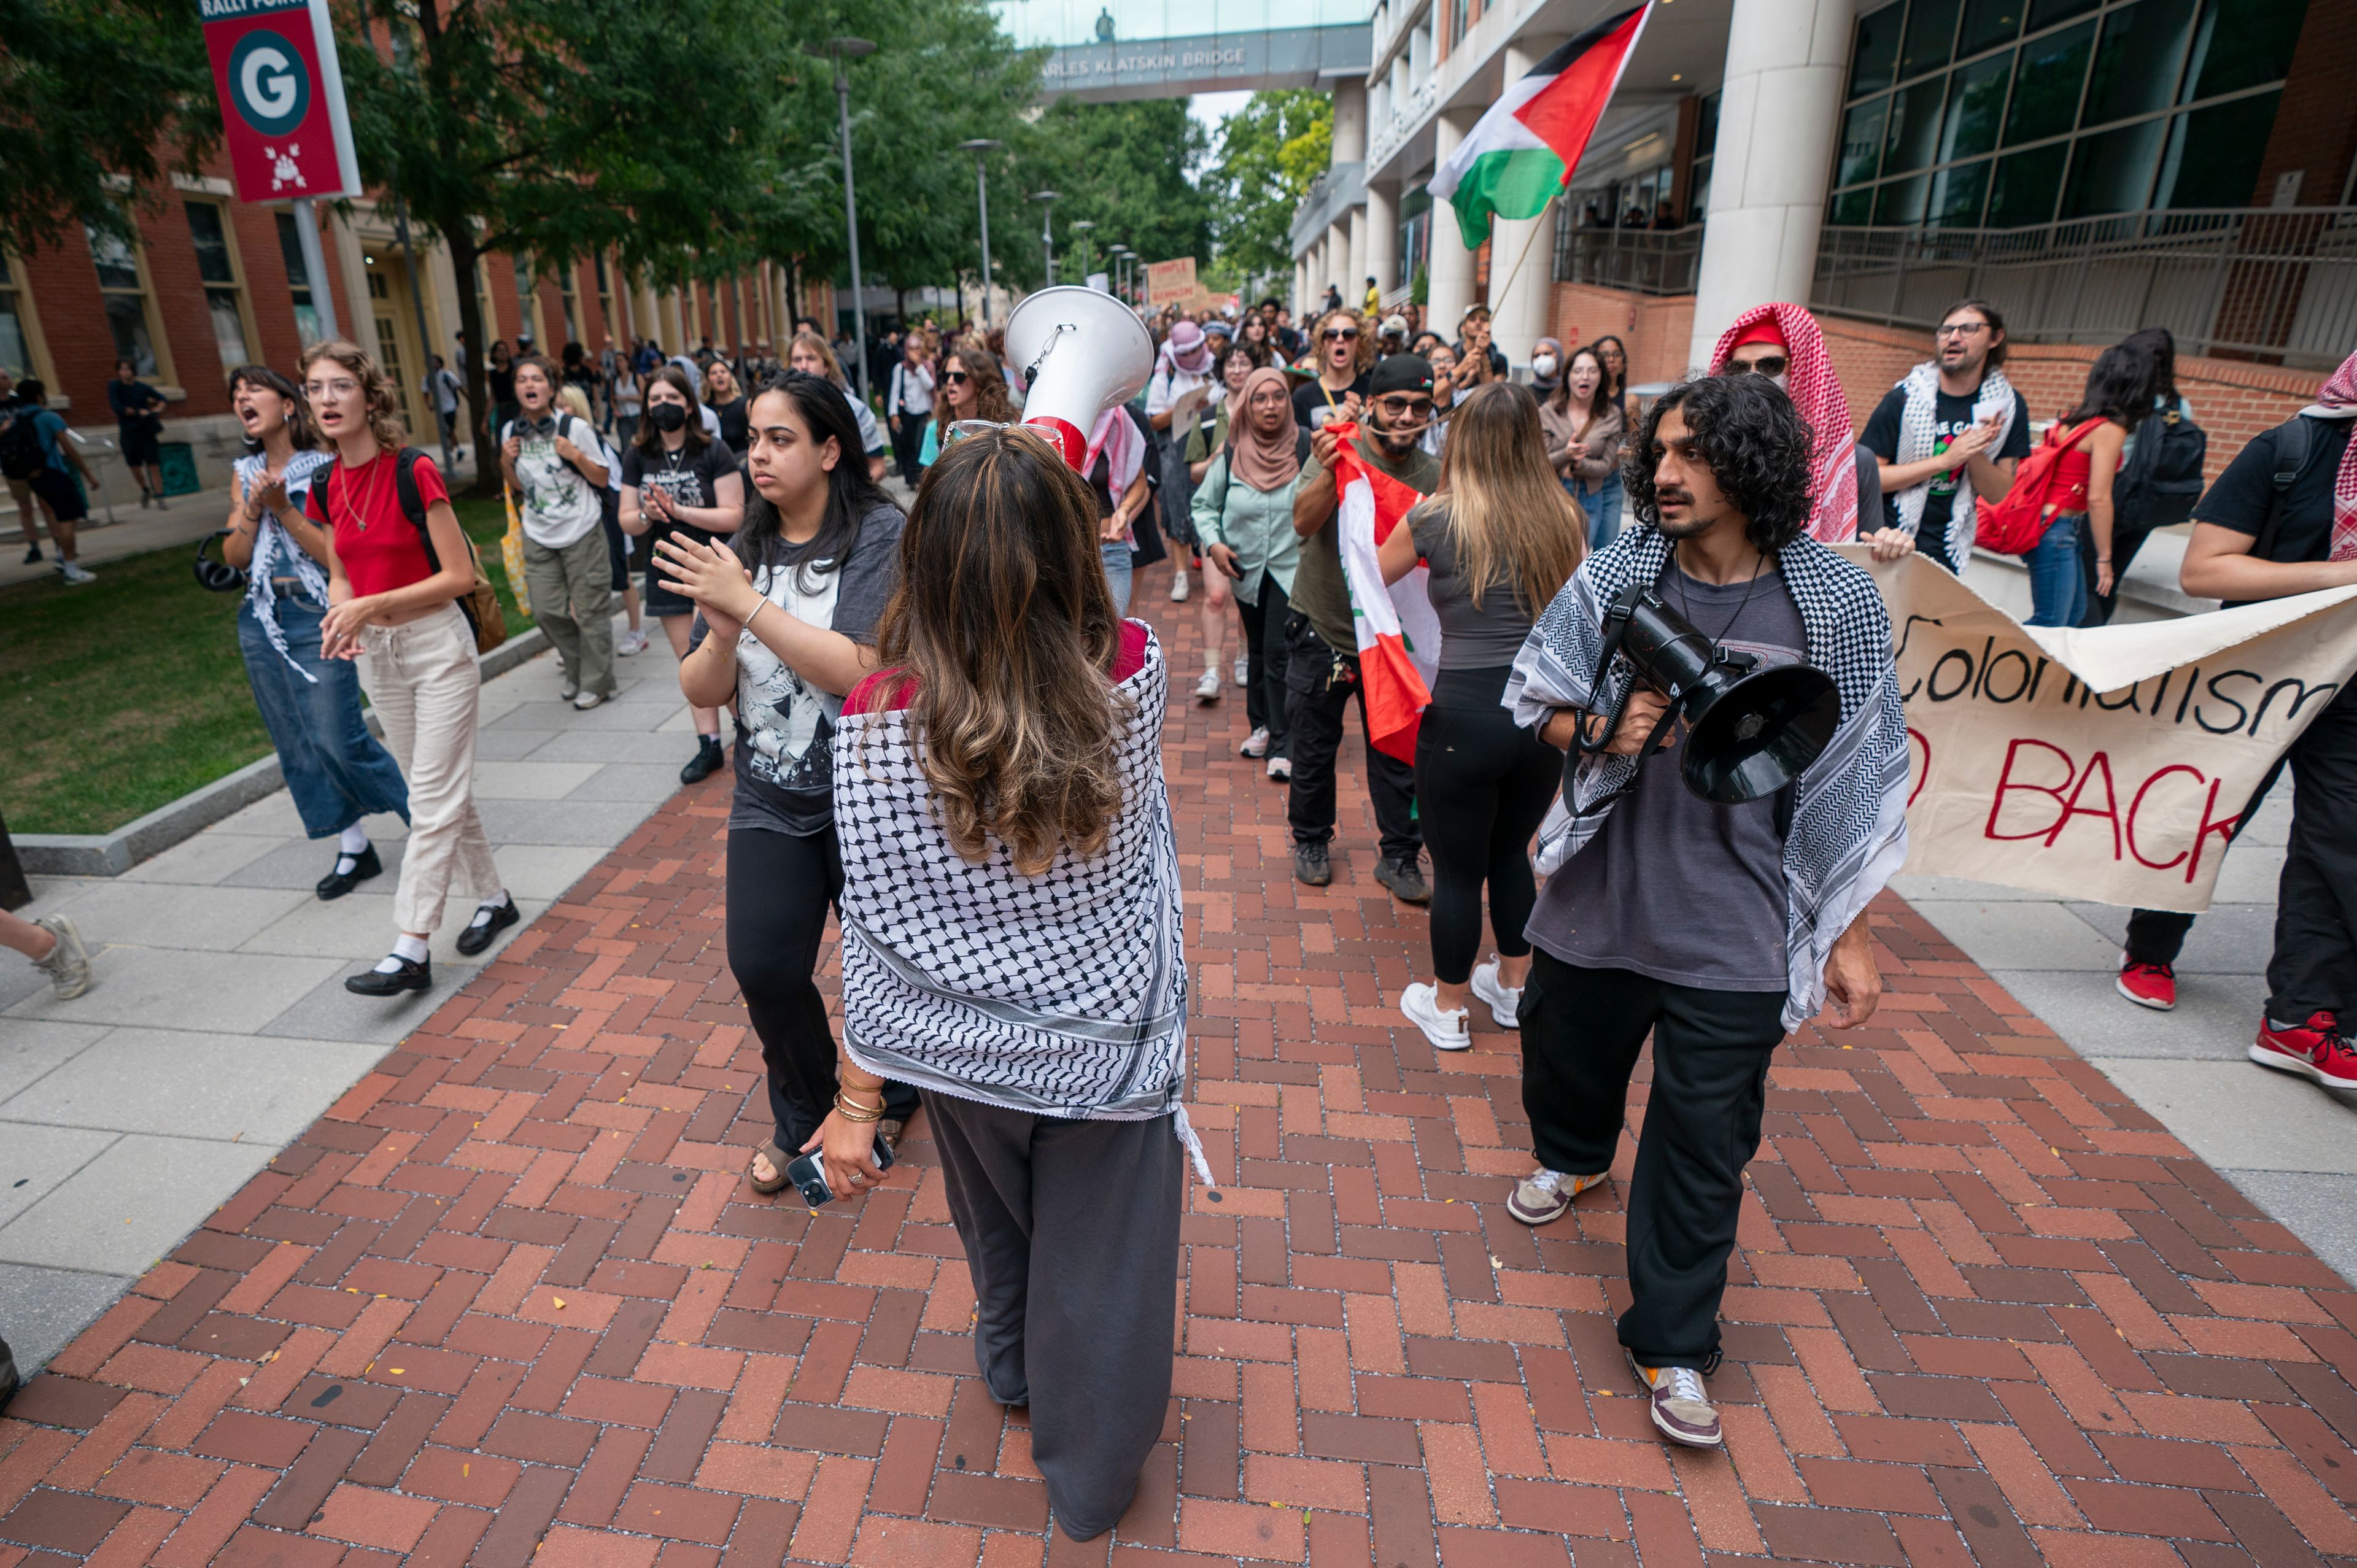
<point x="678" y="482"/>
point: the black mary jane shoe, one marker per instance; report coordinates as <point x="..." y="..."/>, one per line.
<point x="486" y="924"/>
<point x="413" y="975"/>
<point x="365" y="865"/>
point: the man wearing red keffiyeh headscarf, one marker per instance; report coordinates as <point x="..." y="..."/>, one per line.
<point x="2282" y="519"/>
<point x="1782" y="343"/>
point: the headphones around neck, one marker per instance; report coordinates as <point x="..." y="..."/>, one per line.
<point x="217" y="576"/>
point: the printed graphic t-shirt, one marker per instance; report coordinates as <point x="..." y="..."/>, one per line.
<point x="1952" y="416"/>
<point x="559" y="504"/>
<point x="785" y="770"/>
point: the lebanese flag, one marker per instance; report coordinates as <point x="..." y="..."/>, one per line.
<point x="1524" y="149"/>
<point x="1399" y="634"/>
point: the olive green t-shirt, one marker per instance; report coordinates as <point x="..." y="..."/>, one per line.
<point x="1320" y="590"/>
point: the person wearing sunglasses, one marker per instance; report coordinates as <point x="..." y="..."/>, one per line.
<point x="1784" y="343"/>
<point x="972" y="388"/>
<point x="1345" y="356"/>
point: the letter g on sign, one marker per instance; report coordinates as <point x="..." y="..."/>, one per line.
<point x="268" y="84"/>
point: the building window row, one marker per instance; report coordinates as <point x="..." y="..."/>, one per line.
<point x="2007" y="113"/>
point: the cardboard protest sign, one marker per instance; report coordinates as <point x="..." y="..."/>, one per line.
<point x="2108" y="764"/>
<point x="1170" y="282"/>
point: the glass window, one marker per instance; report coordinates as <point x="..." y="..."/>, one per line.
<point x="564" y="289"/>
<point x="213" y="264"/>
<point x="1914" y="131"/>
<point x="1861" y="142"/>
<point x="2113" y="172"/>
<point x="1975" y="108"/>
<point x="1854" y="209"/>
<point x="1988" y="23"/>
<point x="2244" y="43"/>
<point x="2023" y="191"/>
<point x="524" y="291"/>
<point x="2137" y="64"/>
<point x="1930" y="37"/>
<point x="217" y="267"/>
<point x="2214" y="153"/>
<point x="15" y="351"/>
<point x="2046" y="13"/>
<point x="1874" y="63"/>
<point x="125" y="300"/>
<point x="2046" y="90"/>
<point x="1901" y="202"/>
<point x="298" y="281"/>
<point x="1957" y="194"/>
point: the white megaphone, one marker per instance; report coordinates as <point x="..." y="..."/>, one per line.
<point x="1080" y="352"/>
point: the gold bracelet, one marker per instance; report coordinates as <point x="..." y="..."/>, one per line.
<point x="856" y="1113"/>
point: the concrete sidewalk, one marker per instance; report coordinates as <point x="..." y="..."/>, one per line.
<point x="218" y="1025"/>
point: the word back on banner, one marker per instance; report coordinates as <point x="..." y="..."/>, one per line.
<point x="1170" y="282"/>
<point x="282" y="98"/>
<point x="2107" y="765"/>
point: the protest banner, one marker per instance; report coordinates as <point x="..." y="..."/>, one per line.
<point x="1170" y="282"/>
<point x="2108" y="764"/>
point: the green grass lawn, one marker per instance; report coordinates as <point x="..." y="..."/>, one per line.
<point x="118" y="697"/>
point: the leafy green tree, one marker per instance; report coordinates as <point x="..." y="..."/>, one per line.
<point x="1269" y="152"/>
<point x="1123" y="166"/>
<point x="93" y="93"/>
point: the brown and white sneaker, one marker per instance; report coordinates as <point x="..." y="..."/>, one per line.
<point x="1682" y="1410"/>
<point x="1545" y="1194"/>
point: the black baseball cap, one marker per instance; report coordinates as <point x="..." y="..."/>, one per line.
<point x="1402" y="372"/>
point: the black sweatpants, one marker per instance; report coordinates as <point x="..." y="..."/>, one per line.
<point x="1320" y="683"/>
<point x="906" y="443"/>
<point x="780" y="889"/>
<point x="2158" y="936"/>
<point x="1268" y="657"/>
<point x="1071" y="1235"/>
<point x="2315" y="964"/>
<point x="1485" y="784"/>
<point x="1582" y="1029"/>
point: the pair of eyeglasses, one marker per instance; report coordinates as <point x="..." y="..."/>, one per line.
<point x="1346" y="334"/>
<point x="1766" y="365"/>
<point x="956" y="377"/>
<point x="1414" y="408"/>
<point x="1960" y="329"/>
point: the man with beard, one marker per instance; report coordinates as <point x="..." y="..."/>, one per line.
<point x="1713" y="928"/>
<point x="1323" y="645"/>
<point x="1953" y="430"/>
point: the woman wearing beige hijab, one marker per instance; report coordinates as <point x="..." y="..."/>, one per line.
<point x="1243" y="516"/>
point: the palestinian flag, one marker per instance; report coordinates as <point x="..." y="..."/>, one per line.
<point x="1526" y="146"/>
<point x="1399" y="635"/>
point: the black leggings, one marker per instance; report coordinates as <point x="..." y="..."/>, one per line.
<point x="780" y="887"/>
<point x="1482" y="785"/>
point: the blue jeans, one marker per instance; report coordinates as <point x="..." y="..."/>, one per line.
<point x="1116" y="555"/>
<point x="2058" y="588"/>
<point x="1602" y="505"/>
<point x="336" y="770"/>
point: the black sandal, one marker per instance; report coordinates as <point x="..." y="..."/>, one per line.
<point x="778" y="1159"/>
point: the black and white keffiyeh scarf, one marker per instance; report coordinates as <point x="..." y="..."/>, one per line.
<point x="1848" y="833"/>
<point x="275" y="554"/>
<point x="1918" y="434"/>
<point x="1062" y="995"/>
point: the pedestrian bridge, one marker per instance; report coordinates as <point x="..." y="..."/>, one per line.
<point x="1110" y="50"/>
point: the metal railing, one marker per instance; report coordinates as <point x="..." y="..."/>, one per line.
<point x="1642" y="261"/>
<point x="2276" y="283"/>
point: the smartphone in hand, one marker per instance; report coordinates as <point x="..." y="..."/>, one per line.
<point x="809" y="1178"/>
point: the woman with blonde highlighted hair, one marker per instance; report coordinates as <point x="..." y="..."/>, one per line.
<point x="1011" y="946"/>
<point x="1501" y="536"/>
<point x="397" y="566"/>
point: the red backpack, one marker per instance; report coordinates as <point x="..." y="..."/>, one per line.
<point x="2015" y="525"/>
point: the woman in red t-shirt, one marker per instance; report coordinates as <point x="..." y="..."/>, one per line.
<point x="394" y="584"/>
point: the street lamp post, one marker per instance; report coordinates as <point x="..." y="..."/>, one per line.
<point x="839" y="50"/>
<point x="1047" y="201"/>
<point x="978" y="146"/>
<point x="1120" y="254"/>
<point x="1082" y="226"/>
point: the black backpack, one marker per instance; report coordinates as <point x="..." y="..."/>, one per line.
<point x="20" y="443"/>
<point x="2163" y="478"/>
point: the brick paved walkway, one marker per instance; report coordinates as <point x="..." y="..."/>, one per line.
<point x="1985" y="1310"/>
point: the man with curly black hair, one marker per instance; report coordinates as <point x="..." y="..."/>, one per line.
<point x="1715" y="928"/>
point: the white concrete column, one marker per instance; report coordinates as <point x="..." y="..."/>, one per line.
<point x="1522" y="254"/>
<point x="1451" y="284"/>
<point x="1350" y="120"/>
<point x="1300" y="282"/>
<point x="1383" y="236"/>
<point x="1354" y="280"/>
<point x="1779" y="113"/>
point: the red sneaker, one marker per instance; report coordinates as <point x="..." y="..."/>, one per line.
<point x="2316" y="1050"/>
<point x="2150" y="985"/>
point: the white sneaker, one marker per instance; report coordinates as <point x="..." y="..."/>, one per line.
<point x="1244" y="670"/>
<point x="1281" y="767"/>
<point x="1179" y="587"/>
<point x="74" y="573"/>
<point x="1254" y="744"/>
<point x="1503" y="1000"/>
<point x="1446" y="1031"/>
<point x="588" y="700"/>
<point x="1207" y="690"/>
<point x="630" y="642"/>
<point x="1544" y="1195"/>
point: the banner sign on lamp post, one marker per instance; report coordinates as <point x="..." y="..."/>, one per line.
<point x="282" y="98"/>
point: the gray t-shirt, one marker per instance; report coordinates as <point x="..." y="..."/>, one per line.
<point x="1673" y="887"/>
<point x="785" y="770"/>
<point x="1471" y="638"/>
